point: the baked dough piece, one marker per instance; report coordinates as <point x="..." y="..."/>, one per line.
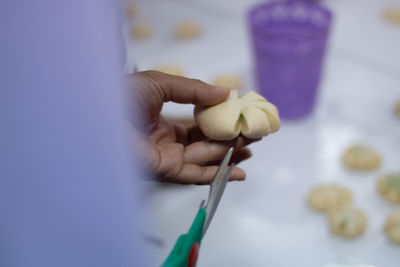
<point x="140" y="31"/>
<point x="328" y="197"/>
<point x="231" y="81"/>
<point x="250" y="115"/>
<point x="170" y="69"/>
<point x="360" y="157"/>
<point x="397" y="108"/>
<point x="392" y="227"/>
<point x="389" y="187"/>
<point x="347" y="222"/>
<point x="187" y="30"/>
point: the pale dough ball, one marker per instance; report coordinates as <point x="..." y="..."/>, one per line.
<point x="397" y="108"/>
<point x="392" y="227"/>
<point x="141" y="31"/>
<point x="389" y="187"/>
<point x="250" y="115"/>
<point x="360" y="157"/>
<point x="170" y="69"/>
<point x="327" y="197"/>
<point x="187" y="30"/>
<point x="231" y="81"/>
<point x="130" y="10"/>
<point x="347" y="222"/>
<point x="392" y="15"/>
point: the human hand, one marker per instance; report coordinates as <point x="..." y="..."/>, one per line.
<point x="177" y="153"/>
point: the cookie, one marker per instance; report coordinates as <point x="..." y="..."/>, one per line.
<point x="231" y="81"/>
<point x="140" y="31"/>
<point x="397" y="108"/>
<point x="347" y="222"/>
<point x="389" y="187"/>
<point x="392" y="227"/>
<point x="360" y="157"/>
<point x="327" y="197"/>
<point x="170" y="69"/>
<point x="187" y="30"/>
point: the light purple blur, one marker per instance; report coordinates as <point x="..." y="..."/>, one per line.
<point x="67" y="191"/>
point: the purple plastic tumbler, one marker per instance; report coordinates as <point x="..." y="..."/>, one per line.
<point x="289" y="40"/>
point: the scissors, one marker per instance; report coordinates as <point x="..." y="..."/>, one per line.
<point x="186" y="249"/>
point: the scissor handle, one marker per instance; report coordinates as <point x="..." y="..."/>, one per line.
<point x="186" y="249"/>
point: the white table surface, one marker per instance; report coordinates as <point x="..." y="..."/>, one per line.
<point x="265" y="221"/>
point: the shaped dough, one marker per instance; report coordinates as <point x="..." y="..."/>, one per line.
<point x="392" y="227"/>
<point x="397" y="108"/>
<point x="328" y="197"/>
<point x="392" y="15"/>
<point x="389" y="187"/>
<point x="347" y="222"/>
<point x="187" y="30"/>
<point x="170" y="69"/>
<point x="231" y="81"/>
<point x="250" y="115"/>
<point x="130" y="10"/>
<point x="360" y="157"/>
<point x="140" y="31"/>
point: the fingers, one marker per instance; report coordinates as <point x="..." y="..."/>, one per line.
<point x="204" y="152"/>
<point x="187" y="91"/>
<point x="238" y="156"/>
<point x="212" y="153"/>
<point x="194" y="174"/>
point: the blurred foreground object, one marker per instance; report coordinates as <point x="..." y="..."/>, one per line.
<point x="392" y="15"/>
<point x="289" y="41"/>
<point x="171" y="69"/>
<point x="231" y="81"/>
<point x="140" y="31"/>
<point x="187" y="30"/>
<point x="392" y="227"/>
<point x="250" y="115"/>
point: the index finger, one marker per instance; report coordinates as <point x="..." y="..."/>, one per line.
<point x="188" y="91"/>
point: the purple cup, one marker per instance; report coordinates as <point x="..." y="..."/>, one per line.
<point x="289" y="40"/>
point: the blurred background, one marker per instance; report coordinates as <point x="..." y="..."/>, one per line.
<point x="351" y="60"/>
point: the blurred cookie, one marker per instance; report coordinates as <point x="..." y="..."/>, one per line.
<point x="187" y="30"/>
<point x="347" y="222"/>
<point x="392" y="227"/>
<point x="170" y="69"/>
<point x="231" y="81"/>
<point x="130" y="10"/>
<point x="389" y="187"/>
<point x="140" y="31"/>
<point x="392" y="15"/>
<point x="397" y="108"/>
<point x="328" y="197"/>
<point x="360" y="157"/>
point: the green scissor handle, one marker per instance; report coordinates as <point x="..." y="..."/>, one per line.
<point x="185" y="251"/>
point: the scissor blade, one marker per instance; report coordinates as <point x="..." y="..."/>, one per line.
<point x="221" y="169"/>
<point x="215" y="197"/>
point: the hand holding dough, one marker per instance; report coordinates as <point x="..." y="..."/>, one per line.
<point x="250" y="115"/>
